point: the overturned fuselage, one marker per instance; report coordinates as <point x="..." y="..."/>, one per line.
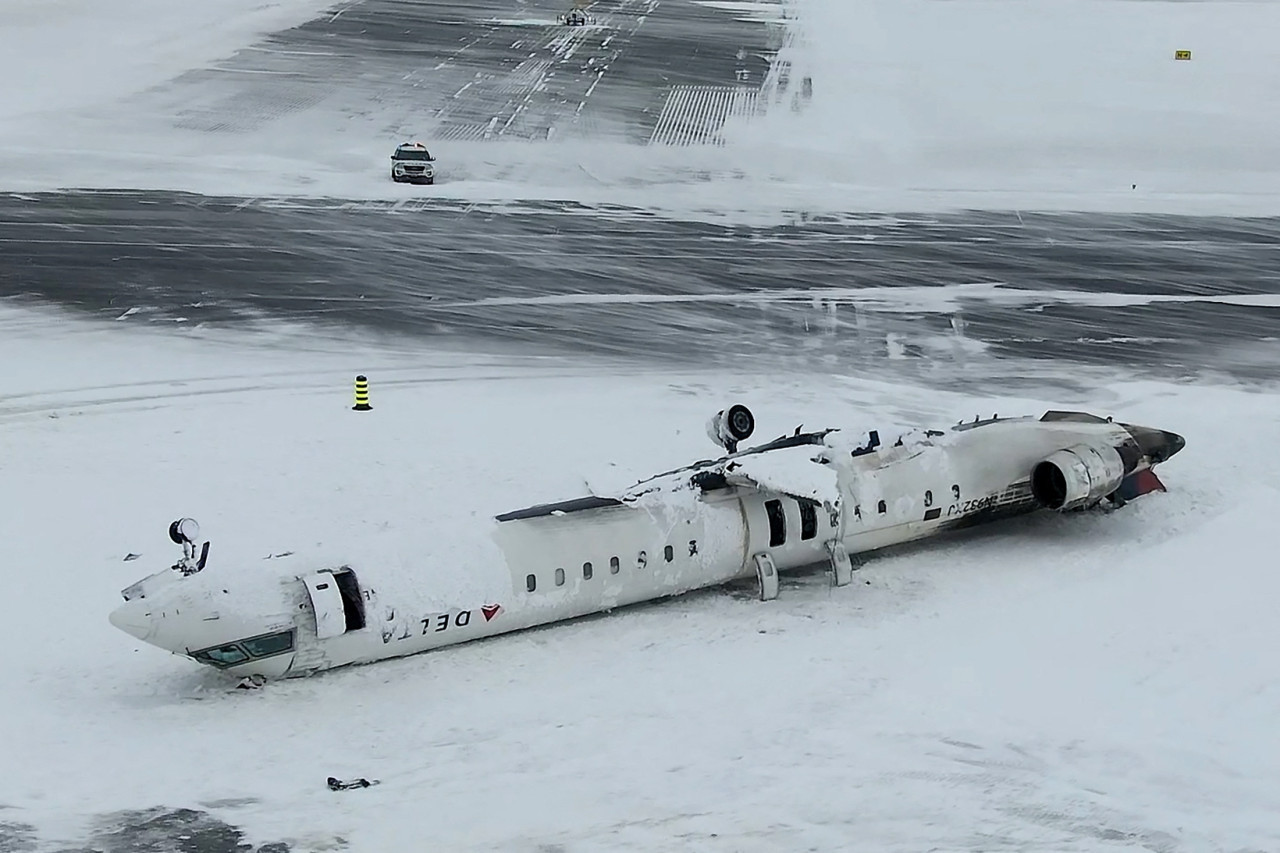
<point x="813" y="497"/>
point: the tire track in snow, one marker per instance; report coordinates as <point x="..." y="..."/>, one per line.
<point x="160" y="393"/>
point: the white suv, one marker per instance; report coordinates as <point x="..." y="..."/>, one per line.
<point x="412" y="163"/>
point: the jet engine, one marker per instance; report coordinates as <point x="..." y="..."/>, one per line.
<point x="729" y="426"/>
<point x="1077" y="477"/>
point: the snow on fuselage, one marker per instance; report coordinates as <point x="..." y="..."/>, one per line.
<point x="794" y="502"/>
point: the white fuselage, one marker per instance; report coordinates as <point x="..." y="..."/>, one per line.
<point x="793" y="503"/>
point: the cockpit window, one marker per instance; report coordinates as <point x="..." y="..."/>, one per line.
<point x="228" y="655"/>
<point x="271" y="644"/>
<point x="263" y="646"/>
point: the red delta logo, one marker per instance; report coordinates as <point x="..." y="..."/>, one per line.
<point x="490" y="611"/>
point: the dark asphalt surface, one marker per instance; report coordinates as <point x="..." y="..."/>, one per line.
<point x="615" y="282"/>
<point x="475" y="69"/>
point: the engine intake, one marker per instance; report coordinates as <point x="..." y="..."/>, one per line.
<point x="1077" y="477"/>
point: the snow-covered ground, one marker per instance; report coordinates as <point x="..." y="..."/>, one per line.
<point x="1097" y="682"/>
<point x="917" y="104"/>
<point x="59" y="57"/>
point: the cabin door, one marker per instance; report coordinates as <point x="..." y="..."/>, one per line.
<point x="793" y="531"/>
<point x="326" y="603"/>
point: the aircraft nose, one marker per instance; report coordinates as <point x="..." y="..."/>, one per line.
<point x="1157" y="444"/>
<point x="134" y="618"/>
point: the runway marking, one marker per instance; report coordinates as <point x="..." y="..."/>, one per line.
<point x="591" y="88"/>
<point x="936" y="293"/>
<point x="542" y="91"/>
<point x="229" y="70"/>
<point x="449" y="60"/>
<point x="697" y="115"/>
<point x="277" y="52"/>
<point x="910" y="298"/>
<point x="350" y="5"/>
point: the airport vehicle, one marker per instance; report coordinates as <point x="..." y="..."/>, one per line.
<point x="576" y="17"/>
<point x="411" y="162"/>
<point x="825" y="497"/>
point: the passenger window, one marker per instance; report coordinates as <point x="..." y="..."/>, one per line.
<point x="642" y="560"/>
<point x="530" y="583"/>
<point x="881" y="508"/>
<point x="271" y="644"/>
<point x="808" y="519"/>
<point x="777" y="523"/>
<point x="613" y="565"/>
<point x="586" y="571"/>
<point x="928" y="498"/>
<point x="559" y="577"/>
<point x="668" y="553"/>
<point x="955" y="491"/>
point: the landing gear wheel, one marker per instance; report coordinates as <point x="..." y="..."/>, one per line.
<point x="740" y="421"/>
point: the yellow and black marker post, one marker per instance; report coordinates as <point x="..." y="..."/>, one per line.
<point x="362" y="394"/>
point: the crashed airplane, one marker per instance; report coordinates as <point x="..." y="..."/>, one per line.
<point x="812" y="498"/>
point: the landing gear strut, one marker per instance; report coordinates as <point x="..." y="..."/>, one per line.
<point x="186" y="532"/>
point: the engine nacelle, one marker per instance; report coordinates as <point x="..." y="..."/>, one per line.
<point x="729" y="426"/>
<point x="1077" y="477"/>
